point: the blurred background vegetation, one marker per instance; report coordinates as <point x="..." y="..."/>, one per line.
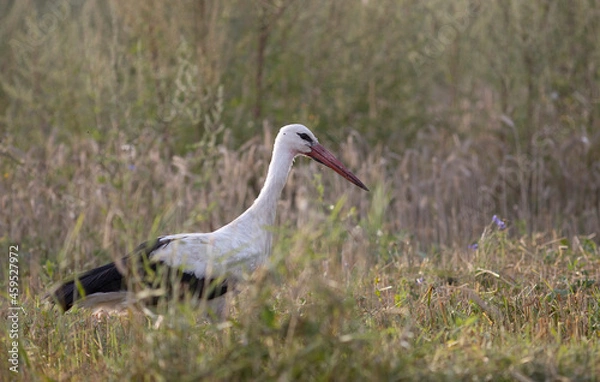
<point x="123" y="120"/>
<point x="450" y="111"/>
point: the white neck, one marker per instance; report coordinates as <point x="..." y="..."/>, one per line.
<point x="279" y="168"/>
<point x="263" y="210"/>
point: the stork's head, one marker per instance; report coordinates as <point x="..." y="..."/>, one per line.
<point x="301" y="141"/>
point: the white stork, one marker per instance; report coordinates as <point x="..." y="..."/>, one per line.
<point x="204" y="264"/>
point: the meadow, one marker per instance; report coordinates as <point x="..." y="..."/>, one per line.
<point x="476" y="126"/>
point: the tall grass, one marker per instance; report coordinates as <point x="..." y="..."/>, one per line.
<point x="125" y="120"/>
<point x="512" y="309"/>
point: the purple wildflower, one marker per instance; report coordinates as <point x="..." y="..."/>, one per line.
<point x="473" y="246"/>
<point x="131" y="167"/>
<point x="420" y="280"/>
<point x="499" y="222"/>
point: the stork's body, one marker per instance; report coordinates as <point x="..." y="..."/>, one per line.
<point x="225" y="254"/>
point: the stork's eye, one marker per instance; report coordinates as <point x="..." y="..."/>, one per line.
<point x="306" y="137"/>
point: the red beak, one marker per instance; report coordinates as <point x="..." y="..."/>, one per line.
<point x="323" y="156"/>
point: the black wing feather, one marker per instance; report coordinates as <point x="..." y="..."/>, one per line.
<point x="106" y="278"/>
<point x="111" y="277"/>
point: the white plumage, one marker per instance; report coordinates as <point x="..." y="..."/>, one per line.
<point x="238" y="247"/>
